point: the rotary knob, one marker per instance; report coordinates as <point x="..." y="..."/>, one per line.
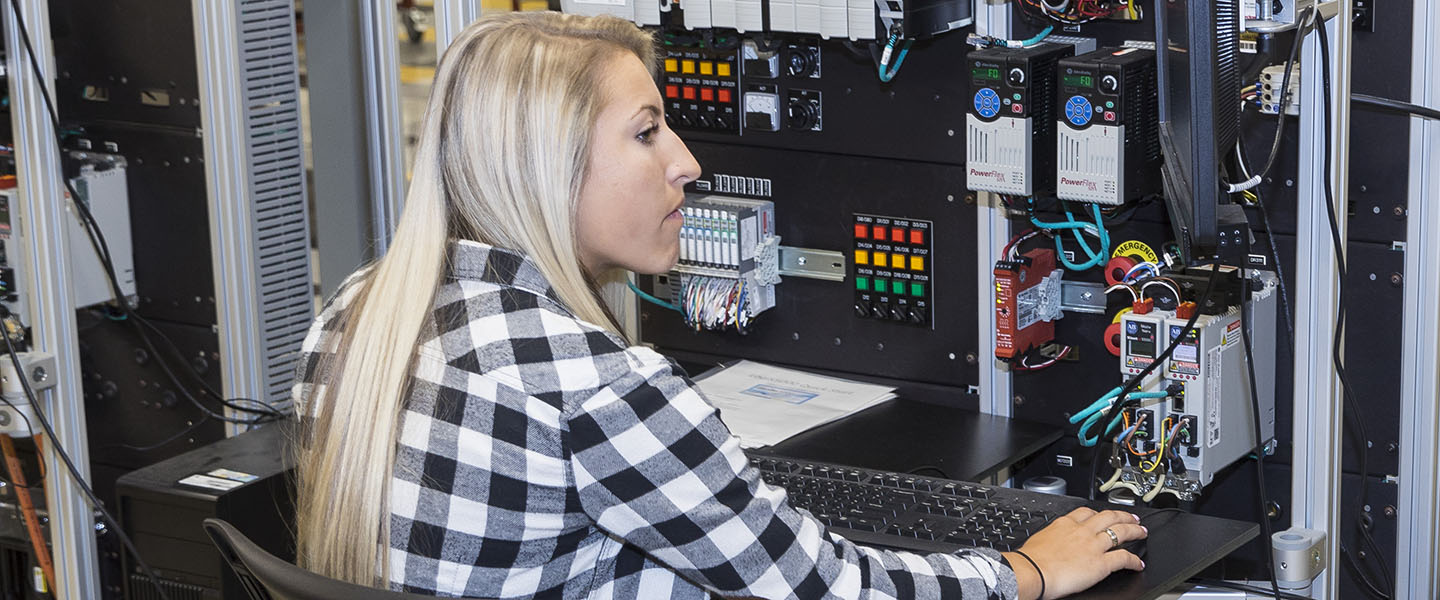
<point x="1017" y="76"/>
<point x="800" y="114"/>
<point x="1109" y="84"/>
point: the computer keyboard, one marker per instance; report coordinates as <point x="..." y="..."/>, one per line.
<point x="910" y="512"/>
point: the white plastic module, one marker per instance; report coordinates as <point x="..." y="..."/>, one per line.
<point x="1089" y="164"/>
<point x="862" y="19"/>
<point x="998" y="155"/>
<point x="834" y="19"/>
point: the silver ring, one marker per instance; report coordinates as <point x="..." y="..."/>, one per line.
<point x="1114" y="539"/>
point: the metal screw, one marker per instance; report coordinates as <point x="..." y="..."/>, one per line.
<point x="795" y="336"/>
<point x="1289" y="183"/>
<point x="1376" y="210"/>
<point x="970" y="358"/>
<point x="39" y="375"/>
<point x="1398" y="210"/>
<point x="1315" y="556"/>
<point x="837" y="341"/>
<point x="1389" y="512"/>
<point x="1392" y="447"/>
<point x="879" y="346"/>
<point x="1019" y="399"/>
<point x="801" y="261"/>
<point x="949" y="197"/>
<point x="1083" y="296"/>
<point x="1396" y="279"/>
<point x="950" y="132"/>
<point x="1372" y="277"/>
<point x="969" y="198"/>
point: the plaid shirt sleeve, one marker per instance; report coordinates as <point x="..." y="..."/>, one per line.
<point x="655" y="466"/>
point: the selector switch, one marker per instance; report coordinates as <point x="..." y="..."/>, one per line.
<point x="1016" y="76"/>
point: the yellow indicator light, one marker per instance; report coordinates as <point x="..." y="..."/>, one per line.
<point x="687" y="67"/>
<point x="917" y="263"/>
<point x="707" y="68"/>
<point x="722" y="69"/>
<point x="862" y="257"/>
<point x="881" y="259"/>
<point x="671" y="65"/>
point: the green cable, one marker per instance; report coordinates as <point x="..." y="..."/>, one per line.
<point x="651" y="299"/>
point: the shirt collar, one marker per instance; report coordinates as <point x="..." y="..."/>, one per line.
<point x="477" y="261"/>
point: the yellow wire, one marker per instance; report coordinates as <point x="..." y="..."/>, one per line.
<point x="1161" y="455"/>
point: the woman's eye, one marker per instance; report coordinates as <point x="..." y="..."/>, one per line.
<point x="647" y="136"/>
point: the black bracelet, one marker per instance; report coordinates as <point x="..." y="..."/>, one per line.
<point x="1037" y="571"/>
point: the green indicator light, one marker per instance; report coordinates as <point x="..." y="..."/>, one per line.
<point x="1109" y="104"/>
<point x="897" y="287"/>
<point x="862" y="284"/>
<point x="917" y="289"/>
<point x="880" y="285"/>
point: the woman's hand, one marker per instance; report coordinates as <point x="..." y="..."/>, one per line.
<point x="1075" y="552"/>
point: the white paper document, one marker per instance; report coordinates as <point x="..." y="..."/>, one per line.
<point x="764" y="405"/>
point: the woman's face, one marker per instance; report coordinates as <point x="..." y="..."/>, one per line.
<point x="629" y="213"/>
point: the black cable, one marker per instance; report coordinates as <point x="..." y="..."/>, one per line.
<point x="937" y="470"/>
<point x="1312" y="18"/>
<point x="102" y="249"/>
<point x="1122" y="400"/>
<point x="1386" y="104"/>
<point x="1348" y="393"/>
<point x="1259" y="449"/>
<point x="70" y="465"/>
<point x="1243" y="162"/>
<point x="1220" y="583"/>
<point x="193" y="426"/>
<point x="1360" y="574"/>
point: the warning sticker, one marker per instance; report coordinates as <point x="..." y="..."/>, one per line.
<point x="1136" y="248"/>
<point x="1232" y="334"/>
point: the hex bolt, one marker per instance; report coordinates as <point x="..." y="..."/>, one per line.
<point x="1019" y="399"/>
<point x="971" y="359"/>
<point x="39" y="374"/>
<point x="1389" y="512"/>
<point x="1396" y="279"/>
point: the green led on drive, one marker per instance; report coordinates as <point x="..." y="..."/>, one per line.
<point x="862" y="284"/>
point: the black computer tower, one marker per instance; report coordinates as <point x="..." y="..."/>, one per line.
<point x="245" y="480"/>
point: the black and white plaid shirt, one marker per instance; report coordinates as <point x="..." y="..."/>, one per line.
<point x="539" y="456"/>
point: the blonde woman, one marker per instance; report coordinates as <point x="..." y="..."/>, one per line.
<point x="478" y="426"/>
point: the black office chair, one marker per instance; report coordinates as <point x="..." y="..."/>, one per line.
<point x="266" y="577"/>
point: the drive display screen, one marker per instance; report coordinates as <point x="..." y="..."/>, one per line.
<point x="1080" y="80"/>
<point x="986" y="73"/>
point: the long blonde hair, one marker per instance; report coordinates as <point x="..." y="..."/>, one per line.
<point x="502" y="155"/>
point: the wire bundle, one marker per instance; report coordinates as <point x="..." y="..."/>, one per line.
<point x="1085" y="11"/>
<point x="1079" y="229"/>
<point x="714" y="303"/>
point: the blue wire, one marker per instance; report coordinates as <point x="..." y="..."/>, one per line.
<point x="1077" y="228"/>
<point x="651" y="299"/>
<point x="886" y="77"/>
<point x="1039" y="36"/>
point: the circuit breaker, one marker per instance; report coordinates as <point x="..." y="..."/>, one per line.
<point x="1107" y="148"/>
<point x="1010" y="125"/>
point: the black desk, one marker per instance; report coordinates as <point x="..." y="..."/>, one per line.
<point x="902" y="435"/>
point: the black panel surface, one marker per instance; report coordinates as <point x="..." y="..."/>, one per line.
<point x="814" y="323"/>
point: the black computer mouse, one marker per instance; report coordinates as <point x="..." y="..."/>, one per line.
<point x="1136" y="547"/>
